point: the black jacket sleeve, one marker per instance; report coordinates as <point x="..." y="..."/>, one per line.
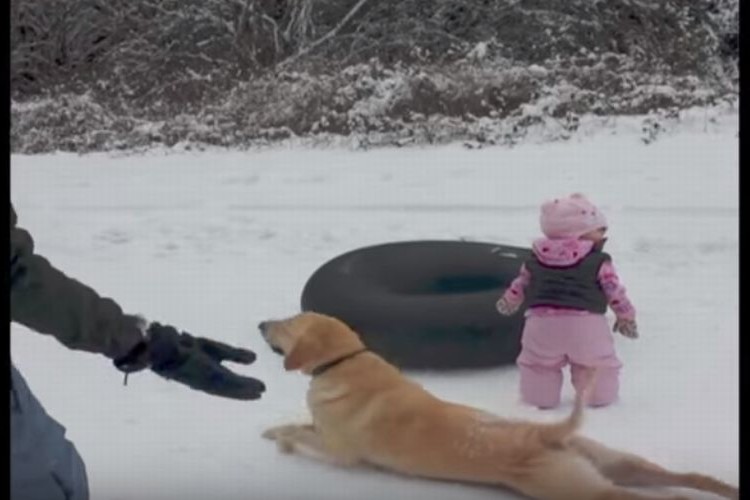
<point x="46" y="300"/>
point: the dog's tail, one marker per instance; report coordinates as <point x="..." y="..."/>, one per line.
<point x="559" y="432"/>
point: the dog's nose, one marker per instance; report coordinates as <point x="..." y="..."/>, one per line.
<point x="262" y="326"/>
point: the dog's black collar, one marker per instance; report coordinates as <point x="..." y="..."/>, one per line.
<point x="327" y="366"/>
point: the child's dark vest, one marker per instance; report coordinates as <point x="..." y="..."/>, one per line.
<point x="575" y="287"/>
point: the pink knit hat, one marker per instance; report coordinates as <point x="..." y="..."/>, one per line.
<point x="570" y="217"/>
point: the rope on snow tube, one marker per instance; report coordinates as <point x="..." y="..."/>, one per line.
<point x="424" y="304"/>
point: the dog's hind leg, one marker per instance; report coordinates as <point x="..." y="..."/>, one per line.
<point x="568" y="476"/>
<point x="627" y="469"/>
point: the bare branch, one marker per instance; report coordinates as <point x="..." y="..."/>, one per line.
<point x="325" y="37"/>
<point x="275" y="28"/>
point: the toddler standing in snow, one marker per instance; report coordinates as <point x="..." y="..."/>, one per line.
<point x="567" y="285"/>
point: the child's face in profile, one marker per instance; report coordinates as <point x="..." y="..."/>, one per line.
<point x="597" y="235"/>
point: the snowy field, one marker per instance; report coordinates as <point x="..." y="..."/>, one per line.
<point x="214" y="242"/>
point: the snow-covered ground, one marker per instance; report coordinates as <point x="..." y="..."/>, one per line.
<point x="214" y="242"/>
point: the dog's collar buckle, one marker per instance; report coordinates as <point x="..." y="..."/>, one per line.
<point x="327" y="366"/>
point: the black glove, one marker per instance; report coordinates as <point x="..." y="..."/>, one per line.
<point x="193" y="361"/>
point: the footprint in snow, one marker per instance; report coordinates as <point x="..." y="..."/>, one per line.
<point x="316" y="179"/>
<point x="241" y="181"/>
<point x="114" y="237"/>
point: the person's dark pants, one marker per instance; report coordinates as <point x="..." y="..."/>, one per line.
<point x="43" y="464"/>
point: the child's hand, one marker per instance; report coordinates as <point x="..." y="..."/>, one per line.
<point x="627" y="328"/>
<point x="505" y="308"/>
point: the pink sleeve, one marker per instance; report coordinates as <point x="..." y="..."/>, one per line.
<point x="615" y="292"/>
<point x="514" y="294"/>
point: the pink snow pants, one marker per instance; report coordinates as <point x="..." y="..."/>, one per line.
<point x="551" y="341"/>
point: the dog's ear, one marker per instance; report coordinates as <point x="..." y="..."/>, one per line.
<point x="296" y="357"/>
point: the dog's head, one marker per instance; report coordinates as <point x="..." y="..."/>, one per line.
<point x="309" y="340"/>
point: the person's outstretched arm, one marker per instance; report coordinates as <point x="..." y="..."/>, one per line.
<point x="44" y="299"/>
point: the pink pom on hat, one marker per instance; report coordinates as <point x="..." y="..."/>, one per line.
<point x="570" y="217"/>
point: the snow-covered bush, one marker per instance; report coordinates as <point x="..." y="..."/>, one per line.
<point x="97" y="75"/>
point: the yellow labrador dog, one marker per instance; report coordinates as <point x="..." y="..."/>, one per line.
<point x="366" y="412"/>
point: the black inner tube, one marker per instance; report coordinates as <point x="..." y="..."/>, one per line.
<point x="424" y="304"/>
<point x="452" y="285"/>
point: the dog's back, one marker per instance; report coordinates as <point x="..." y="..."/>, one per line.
<point x="416" y="433"/>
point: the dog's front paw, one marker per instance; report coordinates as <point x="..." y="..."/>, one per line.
<point x="282" y="437"/>
<point x="281" y="431"/>
<point x="284" y="445"/>
<point x="275" y="433"/>
<point x="269" y="434"/>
